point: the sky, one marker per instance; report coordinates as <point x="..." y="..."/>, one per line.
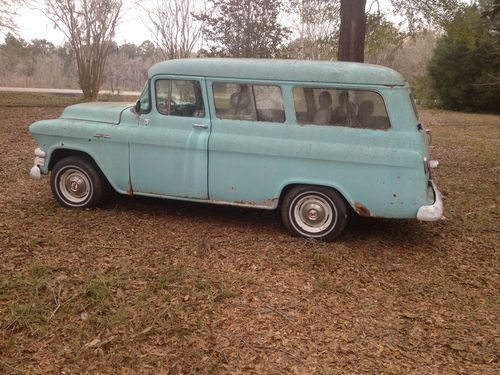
<point x="32" y="24"/>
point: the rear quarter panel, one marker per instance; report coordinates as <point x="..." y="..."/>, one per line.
<point x="379" y="173"/>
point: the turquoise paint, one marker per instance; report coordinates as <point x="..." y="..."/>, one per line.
<point x="97" y="112"/>
<point x="282" y="70"/>
<point x="250" y="163"/>
<point x="169" y="156"/>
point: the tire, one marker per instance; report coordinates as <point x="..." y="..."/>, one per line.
<point x="314" y="212"/>
<point x="76" y="182"/>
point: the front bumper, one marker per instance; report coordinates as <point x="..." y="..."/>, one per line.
<point x="35" y="171"/>
<point x="432" y="212"/>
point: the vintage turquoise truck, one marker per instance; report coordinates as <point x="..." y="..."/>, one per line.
<point x="318" y="140"/>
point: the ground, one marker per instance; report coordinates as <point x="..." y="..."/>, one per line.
<point x="156" y="286"/>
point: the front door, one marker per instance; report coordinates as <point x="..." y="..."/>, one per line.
<point x="168" y="149"/>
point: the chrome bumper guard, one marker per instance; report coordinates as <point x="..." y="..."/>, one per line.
<point x="432" y="212"/>
<point x="35" y="171"/>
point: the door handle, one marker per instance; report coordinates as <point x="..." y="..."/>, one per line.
<point x="200" y="126"/>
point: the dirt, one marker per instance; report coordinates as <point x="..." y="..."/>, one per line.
<point x="156" y="286"/>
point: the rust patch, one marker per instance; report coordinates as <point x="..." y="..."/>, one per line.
<point x="269" y="202"/>
<point x="265" y="202"/>
<point x="246" y="203"/>
<point x="362" y="210"/>
<point x="130" y="190"/>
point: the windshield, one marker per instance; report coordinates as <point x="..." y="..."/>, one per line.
<point x="145" y="99"/>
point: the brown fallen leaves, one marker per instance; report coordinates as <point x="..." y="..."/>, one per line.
<point x="152" y="286"/>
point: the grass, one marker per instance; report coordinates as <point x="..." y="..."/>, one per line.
<point x="23" y="317"/>
<point x="27" y="293"/>
<point x="146" y="285"/>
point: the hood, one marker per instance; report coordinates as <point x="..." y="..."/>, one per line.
<point x="106" y="112"/>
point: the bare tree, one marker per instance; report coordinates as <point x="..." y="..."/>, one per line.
<point x="413" y="57"/>
<point x="316" y="23"/>
<point x="173" y="27"/>
<point x="89" y="26"/>
<point x="7" y="14"/>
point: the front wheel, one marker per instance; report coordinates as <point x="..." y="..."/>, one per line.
<point x="314" y="212"/>
<point x="77" y="183"/>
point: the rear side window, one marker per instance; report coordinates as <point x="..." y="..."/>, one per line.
<point x="242" y="101"/>
<point x="338" y="107"/>
<point x="178" y="97"/>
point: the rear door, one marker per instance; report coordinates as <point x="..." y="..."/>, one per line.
<point x="248" y="137"/>
<point x="168" y="149"/>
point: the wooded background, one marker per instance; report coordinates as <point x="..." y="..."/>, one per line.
<point x="448" y="50"/>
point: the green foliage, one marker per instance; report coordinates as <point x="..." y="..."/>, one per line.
<point x="244" y="28"/>
<point x="382" y="41"/>
<point x="465" y="67"/>
<point x="423" y="13"/>
<point x="425" y="94"/>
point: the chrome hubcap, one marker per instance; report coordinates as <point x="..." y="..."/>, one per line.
<point x="314" y="214"/>
<point x="74" y="185"/>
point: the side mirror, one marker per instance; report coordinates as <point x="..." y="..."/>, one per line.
<point x="137" y="106"/>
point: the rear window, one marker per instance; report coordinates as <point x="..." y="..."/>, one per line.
<point x="339" y="107"/>
<point x="242" y="101"/>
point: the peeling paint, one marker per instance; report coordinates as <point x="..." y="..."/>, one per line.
<point x="130" y="190"/>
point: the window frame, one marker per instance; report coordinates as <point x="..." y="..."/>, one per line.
<point x="341" y="88"/>
<point x="201" y="82"/>
<point x="252" y="84"/>
<point x="414" y="105"/>
<point x="148" y="85"/>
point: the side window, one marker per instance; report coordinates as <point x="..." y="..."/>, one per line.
<point x="269" y="103"/>
<point x="242" y="101"/>
<point x="234" y="101"/>
<point x="177" y="97"/>
<point x="339" y="107"/>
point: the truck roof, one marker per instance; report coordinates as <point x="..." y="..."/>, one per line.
<point x="281" y="70"/>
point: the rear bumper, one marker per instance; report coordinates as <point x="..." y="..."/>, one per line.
<point x="432" y="212"/>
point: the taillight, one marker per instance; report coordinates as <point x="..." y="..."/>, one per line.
<point x="430" y="164"/>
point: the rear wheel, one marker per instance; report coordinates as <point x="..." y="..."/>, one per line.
<point x="314" y="212"/>
<point x="76" y="182"/>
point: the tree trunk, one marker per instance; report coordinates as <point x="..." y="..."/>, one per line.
<point x="352" y="30"/>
